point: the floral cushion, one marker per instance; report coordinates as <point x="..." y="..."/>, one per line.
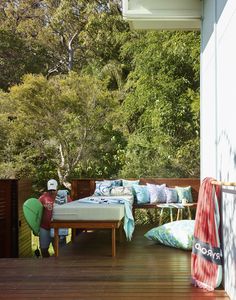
<point x="103" y="188"/>
<point x="121" y="191"/>
<point x="178" y="234"/>
<point x="115" y="182"/>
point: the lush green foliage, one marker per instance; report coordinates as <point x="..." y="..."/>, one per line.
<point x="93" y="98"/>
<point x="161" y="109"/>
<point x="62" y="127"/>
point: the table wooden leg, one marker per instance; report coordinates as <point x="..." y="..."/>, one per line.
<point x="171" y="214"/>
<point x="56" y="242"/>
<point x="113" y="242"/>
<point x="189" y="213"/>
<point x="161" y="215"/>
<point x="178" y="214"/>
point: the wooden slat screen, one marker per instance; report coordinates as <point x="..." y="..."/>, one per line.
<point x="5" y="218"/>
<point x="24" y="236"/>
<point x="14" y="218"/>
<point x="15" y="235"/>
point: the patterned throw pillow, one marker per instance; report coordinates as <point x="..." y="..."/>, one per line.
<point x="141" y="193"/>
<point x="103" y="188"/>
<point x="121" y="191"/>
<point x="61" y="197"/>
<point x="157" y="193"/>
<point x="178" y="234"/>
<point x="184" y="194"/>
<point x="171" y="195"/>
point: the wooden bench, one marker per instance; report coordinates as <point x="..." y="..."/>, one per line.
<point x="85" y="187"/>
<point x="171" y="182"/>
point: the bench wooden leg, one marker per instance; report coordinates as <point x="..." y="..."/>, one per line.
<point x="113" y="242"/>
<point x="56" y="242"/>
<point x="73" y="234"/>
<point x="121" y="234"/>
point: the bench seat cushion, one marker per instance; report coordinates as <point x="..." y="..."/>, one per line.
<point x="76" y="211"/>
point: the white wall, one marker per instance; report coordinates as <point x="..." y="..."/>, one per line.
<point x="208" y="93"/>
<point x="218" y="116"/>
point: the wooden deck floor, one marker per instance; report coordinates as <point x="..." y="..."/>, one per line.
<point x="85" y="270"/>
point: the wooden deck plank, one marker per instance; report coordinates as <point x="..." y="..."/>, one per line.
<point x="86" y="270"/>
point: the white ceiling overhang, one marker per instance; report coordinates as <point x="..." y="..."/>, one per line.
<point x="163" y="14"/>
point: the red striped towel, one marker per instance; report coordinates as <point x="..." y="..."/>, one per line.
<point x="206" y="260"/>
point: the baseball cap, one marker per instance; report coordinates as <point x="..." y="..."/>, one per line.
<point x="52" y="185"/>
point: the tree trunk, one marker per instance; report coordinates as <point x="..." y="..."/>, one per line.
<point x="71" y="52"/>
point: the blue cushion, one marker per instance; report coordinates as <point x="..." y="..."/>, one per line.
<point x="141" y="193"/>
<point x="184" y="194"/>
<point x="178" y="234"/>
<point x="157" y="193"/>
<point x="171" y="195"/>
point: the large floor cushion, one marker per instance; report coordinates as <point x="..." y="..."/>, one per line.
<point x="178" y="234"/>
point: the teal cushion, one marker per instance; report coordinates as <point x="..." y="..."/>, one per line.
<point x="184" y="194"/>
<point x="177" y="234"/>
<point x="126" y="182"/>
<point x="130" y="183"/>
<point x="141" y="194"/>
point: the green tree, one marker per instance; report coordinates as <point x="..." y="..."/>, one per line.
<point x="148" y="121"/>
<point x="161" y="108"/>
<point x="65" y="35"/>
<point x="59" y="125"/>
<point x="17" y="59"/>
